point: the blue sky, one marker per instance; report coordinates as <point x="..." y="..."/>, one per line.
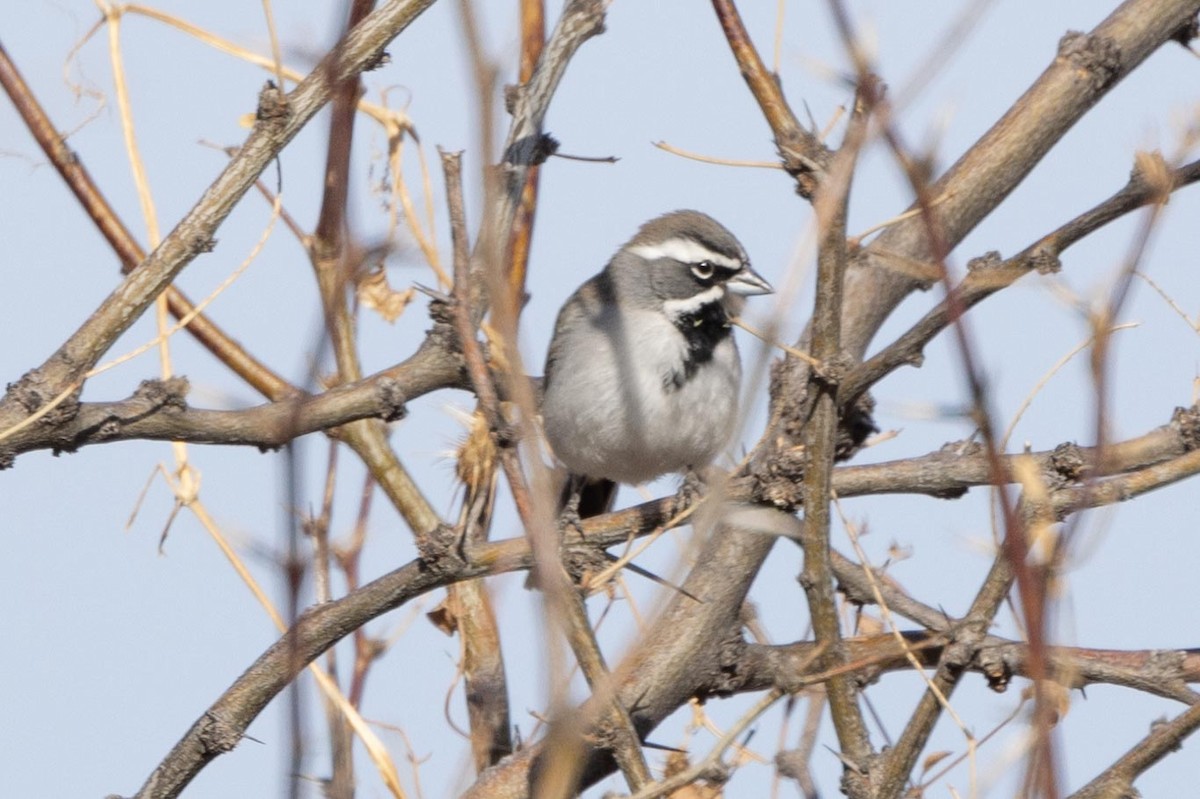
<point x="116" y="649"/>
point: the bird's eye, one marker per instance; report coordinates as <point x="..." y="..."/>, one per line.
<point x="704" y="270"/>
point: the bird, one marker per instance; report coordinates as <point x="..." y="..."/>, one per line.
<point x="642" y="374"/>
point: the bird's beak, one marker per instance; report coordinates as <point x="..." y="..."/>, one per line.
<point x="747" y="282"/>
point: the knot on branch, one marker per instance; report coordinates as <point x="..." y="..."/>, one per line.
<point x="805" y="160"/>
<point x="1043" y="258"/>
<point x="1166" y="667"/>
<point x="961" y="449"/>
<point x="531" y="150"/>
<point x="1187" y="422"/>
<point x="217" y="735"/>
<point x="169" y="394"/>
<point x="989" y="260"/>
<point x="272" y="108"/>
<point x="392" y="399"/>
<point x="730" y="675"/>
<point x="857" y="423"/>
<point x="1187" y="32"/>
<point x="995" y="668"/>
<point x="378" y="60"/>
<point x="443" y="336"/>
<point x="788" y="389"/>
<point x="832" y="371"/>
<point x="439" y="550"/>
<point x="513" y="92"/>
<point x="713" y="776"/>
<point x="582" y="561"/>
<point x="201" y="244"/>
<point x="32" y="392"/>
<point x="1097" y="57"/>
<point x="779" y="479"/>
<point x="1068" y="464"/>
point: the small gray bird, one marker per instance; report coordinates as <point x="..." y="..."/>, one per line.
<point x="643" y="373"/>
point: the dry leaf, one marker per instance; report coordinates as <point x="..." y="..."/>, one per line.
<point x="444" y="617"/>
<point x="375" y="293"/>
<point x="932" y="759"/>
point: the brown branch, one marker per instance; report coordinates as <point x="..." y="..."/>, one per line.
<point x="484" y="679"/>
<point x="949" y="472"/>
<point x="158" y="411"/>
<point x="223" y="724"/>
<point x="1009" y="566"/>
<point x="1164" y="673"/>
<point x="280" y="118"/>
<point x="335" y="267"/>
<point x="804" y="156"/>
<point x="1165" y="737"/>
<point x="987" y="276"/>
<point x="1086" y="67"/>
<point x="565" y="602"/>
<point x="485" y="682"/>
<point x="821" y="442"/>
<point x="70" y="167"/>
<point x="525" y="146"/>
<point x="520" y="240"/>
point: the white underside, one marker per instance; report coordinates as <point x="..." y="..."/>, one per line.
<point x="606" y="411"/>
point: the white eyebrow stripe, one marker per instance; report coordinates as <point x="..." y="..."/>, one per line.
<point x="677" y="308"/>
<point x="689" y="251"/>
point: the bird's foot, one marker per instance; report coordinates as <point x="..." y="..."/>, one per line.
<point x="693" y="487"/>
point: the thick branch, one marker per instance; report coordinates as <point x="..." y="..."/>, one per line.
<point x="1086" y="67"/>
<point x="1164" y="673"/>
<point x="1116" y="781"/>
<point x="280" y="119"/>
<point x="987" y="276"/>
<point x="79" y="181"/>
<point x="221" y="727"/>
<point x="158" y="411"/>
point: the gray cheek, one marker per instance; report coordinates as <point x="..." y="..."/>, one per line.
<point x="734" y="303"/>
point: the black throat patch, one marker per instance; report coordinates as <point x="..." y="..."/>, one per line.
<point x="703" y="329"/>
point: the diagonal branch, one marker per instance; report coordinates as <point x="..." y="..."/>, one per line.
<point x="1086" y="67"/>
<point x="988" y="276"/>
<point x="1164" y="738"/>
<point x="280" y="118"/>
<point x="220" y="728"/>
<point x="79" y="181"/>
